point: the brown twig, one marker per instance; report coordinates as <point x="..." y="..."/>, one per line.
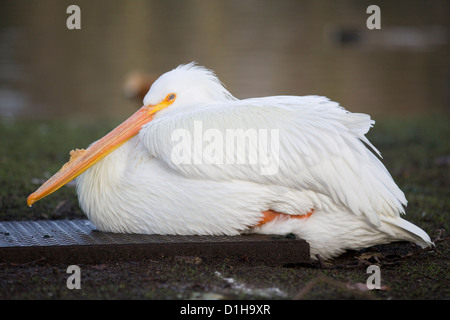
<point x="26" y="263"/>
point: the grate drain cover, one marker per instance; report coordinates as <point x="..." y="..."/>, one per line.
<point x="78" y="241"/>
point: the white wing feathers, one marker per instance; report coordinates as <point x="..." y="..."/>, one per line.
<point x="321" y="147"/>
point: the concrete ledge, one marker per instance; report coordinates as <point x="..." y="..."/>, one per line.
<point x="78" y="241"/>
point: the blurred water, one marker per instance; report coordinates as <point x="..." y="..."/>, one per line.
<point x="257" y="48"/>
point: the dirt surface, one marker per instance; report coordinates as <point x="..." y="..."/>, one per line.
<point x="424" y="275"/>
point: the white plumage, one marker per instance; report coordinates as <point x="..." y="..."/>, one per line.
<point x="321" y="159"/>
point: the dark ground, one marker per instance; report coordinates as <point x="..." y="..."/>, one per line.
<point x="418" y="276"/>
<point x="416" y="152"/>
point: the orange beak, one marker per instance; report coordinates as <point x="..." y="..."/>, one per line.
<point x="82" y="160"/>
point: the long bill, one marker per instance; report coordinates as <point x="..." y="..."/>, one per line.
<point x="82" y="160"/>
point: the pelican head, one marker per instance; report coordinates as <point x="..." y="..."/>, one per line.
<point x="184" y="86"/>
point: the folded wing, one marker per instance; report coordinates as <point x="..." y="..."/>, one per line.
<point x="304" y="143"/>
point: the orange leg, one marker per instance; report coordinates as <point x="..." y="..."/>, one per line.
<point x="270" y="215"/>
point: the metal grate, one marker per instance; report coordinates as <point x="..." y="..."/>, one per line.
<point x="69" y="239"/>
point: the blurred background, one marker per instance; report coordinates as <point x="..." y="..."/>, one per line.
<point x="256" y="47"/>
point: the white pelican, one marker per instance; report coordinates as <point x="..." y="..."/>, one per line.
<point x="194" y="160"/>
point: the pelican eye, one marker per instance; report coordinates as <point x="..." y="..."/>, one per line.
<point x="171" y="97"/>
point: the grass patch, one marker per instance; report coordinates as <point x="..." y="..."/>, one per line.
<point x="31" y="152"/>
<point x="416" y="152"/>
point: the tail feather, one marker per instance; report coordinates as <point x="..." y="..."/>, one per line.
<point x="405" y="230"/>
